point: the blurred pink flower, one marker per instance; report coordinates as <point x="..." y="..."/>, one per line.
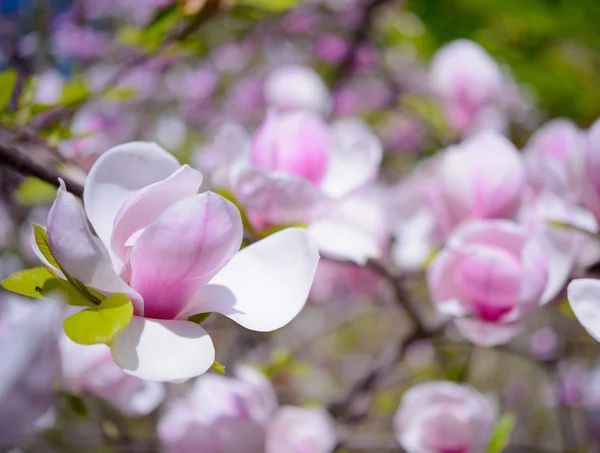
<point x="331" y="48"/>
<point x="241" y="415"/>
<point x="551" y="156"/>
<point x="296" y="87"/>
<point x="174" y="252"/>
<point x="487" y="277"/>
<point x="29" y="363"/>
<point x="470" y="85"/>
<point x="481" y="178"/>
<point x="444" y="417"/>
<point x="91" y="370"/>
<point x="70" y="40"/>
<point x="590" y="180"/>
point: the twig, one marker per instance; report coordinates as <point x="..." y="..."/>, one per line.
<point x="12" y="158"/>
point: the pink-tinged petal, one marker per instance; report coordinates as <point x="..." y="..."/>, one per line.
<point x="81" y="254"/>
<point x="163" y="350"/>
<point x="117" y="174"/>
<point x="147" y="204"/>
<point x="343" y="241"/>
<point x="277" y="198"/>
<point x="188" y="244"/>
<point x="487" y="334"/>
<point x="443" y="284"/>
<point x="300" y="430"/>
<point x="482" y="178"/>
<point x="266" y="284"/>
<point x="490" y="280"/>
<point x="296" y="143"/>
<point x="584" y="297"/>
<point x="535" y="275"/>
<point x="590" y="190"/>
<point x="297" y="87"/>
<point x="355" y="159"/>
<point x="504" y="234"/>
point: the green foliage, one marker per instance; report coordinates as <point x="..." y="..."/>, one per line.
<point x="548" y="44"/>
<point x="77" y="405"/>
<point x="8" y="80"/>
<point x="100" y="324"/>
<point x="275" y="6"/>
<point x="501" y="434"/>
<point x="218" y="368"/>
<point x="33" y="191"/>
<point x="75" y="91"/>
<point x="199" y="318"/>
<point x="29" y="282"/>
<point x="41" y="239"/>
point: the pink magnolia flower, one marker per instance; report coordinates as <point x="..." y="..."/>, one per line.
<point x="551" y="156"/>
<point x="240" y="415"/>
<point x="489" y="275"/>
<point x="297" y="87"/>
<point x="481" y="178"/>
<point x="444" y="417"/>
<point x="296" y="163"/>
<point x="470" y="85"/>
<point x="300" y="430"/>
<point x="590" y="180"/>
<point x="566" y="249"/>
<point x="29" y="363"/>
<point x="91" y="370"/>
<point x="174" y="252"/>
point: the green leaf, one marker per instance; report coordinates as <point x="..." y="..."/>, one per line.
<point x="29" y="282"/>
<point x="33" y="191"/>
<point x="275" y="6"/>
<point x="101" y="324"/>
<point x="8" y="80"/>
<point x="218" y="368"/>
<point x="199" y="318"/>
<point x="58" y="289"/>
<point x="41" y="239"/>
<point x="74" y="92"/>
<point x="77" y="405"/>
<point x="501" y="434"/>
<point x="120" y="93"/>
<point x="568" y="226"/>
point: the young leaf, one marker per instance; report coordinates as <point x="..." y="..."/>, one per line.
<point x="41" y="239"/>
<point x="8" y="80"/>
<point x="501" y="435"/>
<point x="29" y="282"/>
<point x="34" y="191"/>
<point x="199" y="318"/>
<point x="218" y="368"/>
<point x="58" y="289"/>
<point x="276" y="6"/>
<point x="101" y="324"/>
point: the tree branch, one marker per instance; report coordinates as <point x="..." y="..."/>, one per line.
<point x="12" y="158"/>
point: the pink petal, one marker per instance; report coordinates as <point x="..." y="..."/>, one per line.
<point x="277" y="198"/>
<point x="584" y="297"/>
<point x="117" y="174"/>
<point x="180" y="252"/>
<point x="81" y="254"/>
<point x="487" y="334"/>
<point x="147" y="204"/>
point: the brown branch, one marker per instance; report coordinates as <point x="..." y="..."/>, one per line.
<point x="14" y="159"/>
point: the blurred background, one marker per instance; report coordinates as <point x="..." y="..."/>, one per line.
<point x="79" y="77"/>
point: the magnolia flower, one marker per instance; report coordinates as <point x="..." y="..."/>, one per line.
<point x="91" y="370"/>
<point x="566" y="248"/>
<point x="240" y="415"/>
<point x="300" y="430"/>
<point x="470" y="84"/>
<point x="440" y="417"/>
<point x="482" y="178"/>
<point x="174" y="252"/>
<point x="551" y="156"/>
<point x="489" y="274"/>
<point x="584" y="298"/>
<point x="590" y="181"/>
<point x="297" y="88"/>
<point x="29" y="363"/>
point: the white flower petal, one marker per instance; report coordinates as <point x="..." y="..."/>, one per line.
<point x="584" y="297"/>
<point x="117" y="174"/>
<point x="266" y="284"/>
<point x="344" y="241"/>
<point x="163" y="350"/>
